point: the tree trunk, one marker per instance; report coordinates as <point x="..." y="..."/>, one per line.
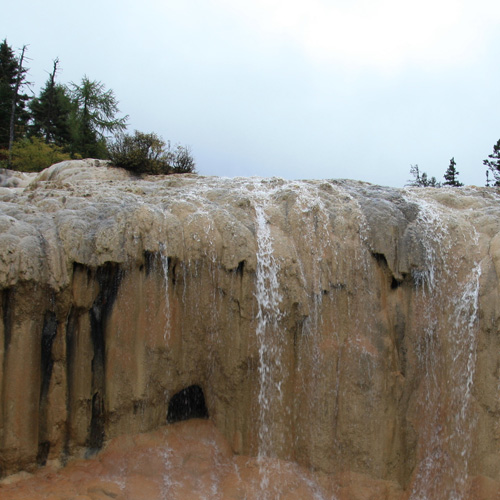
<point x="20" y="72"/>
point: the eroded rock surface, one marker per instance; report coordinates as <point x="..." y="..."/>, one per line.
<point x="183" y="461"/>
<point x="349" y="328"/>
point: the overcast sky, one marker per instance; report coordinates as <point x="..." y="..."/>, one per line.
<point x="356" y="89"/>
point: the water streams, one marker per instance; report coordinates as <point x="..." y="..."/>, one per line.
<point x="164" y="265"/>
<point x="331" y="326"/>
<point x="270" y="365"/>
<point x="445" y="349"/>
<point x="446" y="354"/>
<point x="443" y="281"/>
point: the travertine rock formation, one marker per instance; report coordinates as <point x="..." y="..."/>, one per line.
<point x="340" y="325"/>
<point x="186" y="461"/>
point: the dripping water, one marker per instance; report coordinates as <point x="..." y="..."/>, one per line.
<point x="164" y="265"/>
<point x="315" y="240"/>
<point x="270" y="364"/>
<point x="268" y="300"/>
<point x="447" y="354"/>
<point x="271" y="371"/>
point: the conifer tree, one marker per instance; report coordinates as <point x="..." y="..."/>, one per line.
<point x="451" y="175"/>
<point x="487" y="178"/>
<point x="415" y="171"/>
<point x="51" y="112"/>
<point x="93" y="116"/>
<point x="493" y="162"/>
<point x="13" y="116"/>
<point x="421" y="179"/>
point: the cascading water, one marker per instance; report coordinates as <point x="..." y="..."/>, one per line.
<point x="164" y="265"/>
<point x="319" y="329"/>
<point x="315" y="277"/>
<point x="449" y="281"/>
<point x="270" y="365"/>
<point x="333" y="327"/>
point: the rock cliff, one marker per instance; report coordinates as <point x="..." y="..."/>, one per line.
<point x="336" y="324"/>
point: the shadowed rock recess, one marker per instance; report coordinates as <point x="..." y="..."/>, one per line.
<point x="350" y="329"/>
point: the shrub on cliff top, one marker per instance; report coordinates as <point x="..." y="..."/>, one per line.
<point x="34" y="154"/>
<point x="143" y="153"/>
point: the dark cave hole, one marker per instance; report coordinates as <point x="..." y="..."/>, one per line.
<point x="395" y="283"/>
<point x="240" y="268"/>
<point x="187" y="403"/>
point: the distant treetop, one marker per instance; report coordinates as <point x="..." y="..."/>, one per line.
<point x="493" y="164"/>
<point x="451" y="175"/>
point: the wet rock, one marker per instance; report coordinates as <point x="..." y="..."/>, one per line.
<point x="334" y="324"/>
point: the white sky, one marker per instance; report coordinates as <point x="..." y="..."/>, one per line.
<point x="298" y="89"/>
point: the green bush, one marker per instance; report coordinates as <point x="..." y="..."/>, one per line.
<point x="34" y="154"/>
<point x="4" y="158"/>
<point x="143" y="153"/>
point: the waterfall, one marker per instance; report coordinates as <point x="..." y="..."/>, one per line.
<point x="343" y="335"/>
<point x="317" y="266"/>
<point x="446" y="354"/>
<point x="164" y="265"/>
<point x="318" y="402"/>
<point x="270" y="364"/>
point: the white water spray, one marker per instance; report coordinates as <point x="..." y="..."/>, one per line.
<point x="450" y="344"/>
<point x="268" y="314"/>
<point x="164" y="265"/>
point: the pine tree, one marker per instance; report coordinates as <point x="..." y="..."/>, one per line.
<point x="451" y="175"/>
<point x="487" y="178"/>
<point x="432" y="182"/>
<point x="493" y="163"/>
<point x="13" y="116"/>
<point x="51" y="112"/>
<point x="415" y="171"/>
<point x="93" y="115"/>
<point x="422" y="179"/>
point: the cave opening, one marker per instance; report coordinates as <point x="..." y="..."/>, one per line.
<point x="187" y="403"/>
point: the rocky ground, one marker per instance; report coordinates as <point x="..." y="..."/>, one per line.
<point x="185" y="461"/>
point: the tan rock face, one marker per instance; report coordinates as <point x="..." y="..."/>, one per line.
<point x="349" y="328"/>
